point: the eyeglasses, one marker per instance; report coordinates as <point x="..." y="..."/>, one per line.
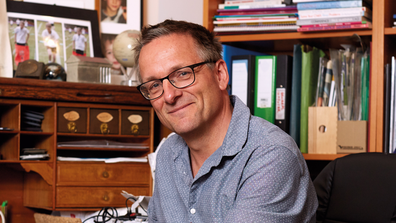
<point x="180" y="78"/>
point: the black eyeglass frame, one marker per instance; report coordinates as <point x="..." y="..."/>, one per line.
<point x="167" y="78"/>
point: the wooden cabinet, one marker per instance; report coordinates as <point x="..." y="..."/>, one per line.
<point x="114" y="117"/>
<point x="382" y="38"/>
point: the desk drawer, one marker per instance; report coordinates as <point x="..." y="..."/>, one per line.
<point x="84" y="197"/>
<point x="102" y="174"/>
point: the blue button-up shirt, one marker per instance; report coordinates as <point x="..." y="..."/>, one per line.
<point x="257" y="175"/>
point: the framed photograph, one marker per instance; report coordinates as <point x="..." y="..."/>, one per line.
<point x="116" y="16"/>
<point x="49" y="33"/>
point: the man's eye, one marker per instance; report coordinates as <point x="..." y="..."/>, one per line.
<point x="154" y="86"/>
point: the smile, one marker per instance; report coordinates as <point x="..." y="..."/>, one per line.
<point x="179" y="108"/>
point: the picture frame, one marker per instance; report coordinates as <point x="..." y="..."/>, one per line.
<point x="118" y="24"/>
<point x="38" y="16"/>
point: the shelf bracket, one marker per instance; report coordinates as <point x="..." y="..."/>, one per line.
<point x="43" y="169"/>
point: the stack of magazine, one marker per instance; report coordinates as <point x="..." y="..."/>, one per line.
<point x="31" y="120"/>
<point x="255" y="16"/>
<point x="317" y="15"/>
<point x="33" y="154"/>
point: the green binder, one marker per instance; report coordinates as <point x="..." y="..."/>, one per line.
<point x="309" y="81"/>
<point x="264" y="98"/>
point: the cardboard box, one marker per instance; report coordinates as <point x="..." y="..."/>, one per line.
<point x="327" y="135"/>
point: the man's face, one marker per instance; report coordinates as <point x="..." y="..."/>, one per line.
<point x="22" y="24"/>
<point x="187" y="110"/>
<point x="48" y="27"/>
<point x="113" y="5"/>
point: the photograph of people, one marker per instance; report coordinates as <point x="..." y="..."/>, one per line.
<point x="107" y="48"/>
<point x="22" y="39"/>
<point x="51" y="42"/>
<point x="76" y="41"/>
<point x="114" y="11"/>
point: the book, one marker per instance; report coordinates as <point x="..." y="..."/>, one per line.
<point x="329" y="5"/>
<point x="392" y="105"/>
<point x="264" y="98"/>
<point x="288" y="8"/>
<point x="257" y="21"/>
<point x="261" y="4"/>
<point x="331" y="13"/>
<point x="243" y="76"/>
<point x="250" y="29"/>
<point x="309" y="79"/>
<point x="237" y="2"/>
<point x="295" y="102"/>
<point x="284" y="72"/>
<point x="299" y="1"/>
<point x="336" y="27"/>
<point x="334" y="24"/>
<point x="387" y="109"/>
<point x="331" y="20"/>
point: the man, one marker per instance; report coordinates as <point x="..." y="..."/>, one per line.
<point x="223" y="165"/>
<point x="50" y="37"/>
<point x="21" y="43"/>
<point x="79" y="43"/>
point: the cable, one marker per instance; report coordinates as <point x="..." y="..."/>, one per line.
<point x="106" y="215"/>
<point x="134" y="199"/>
<point x="2" y="216"/>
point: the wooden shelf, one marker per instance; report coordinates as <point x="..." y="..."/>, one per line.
<point x="292" y="36"/>
<point x="101" y="136"/>
<point x="104" y="149"/>
<point x="390" y="31"/>
<point x="323" y="156"/>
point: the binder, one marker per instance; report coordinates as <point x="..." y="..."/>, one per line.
<point x="242" y="73"/>
<point x="229" y="51"/>
<point x="309" y="80"/>
<point x="264" y="98"/>
<point x="295" y="104"/>
<point x="284" y="71"/>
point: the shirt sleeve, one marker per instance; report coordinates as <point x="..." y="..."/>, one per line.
<point x="274" y="188"/>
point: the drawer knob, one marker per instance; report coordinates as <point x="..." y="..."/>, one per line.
<point x="105" y="174"/>
<point x="104" y="128"/>
<point x="71" y="126"/>
<point x="135" y="129"/>
<point x="105" y="197"/>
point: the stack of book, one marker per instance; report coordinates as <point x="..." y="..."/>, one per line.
<point x="31" y="121"/>
<point x="319" y="15"/>
<point x="255" y="16"/>
<point x="33" y="154"/>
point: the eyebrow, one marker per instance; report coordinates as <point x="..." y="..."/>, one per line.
<point x="173" y="68"/>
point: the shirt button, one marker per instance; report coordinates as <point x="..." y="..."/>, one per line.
<point x="192" y="210"/>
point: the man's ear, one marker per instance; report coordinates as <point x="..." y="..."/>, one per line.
<point x="222" y="74"/>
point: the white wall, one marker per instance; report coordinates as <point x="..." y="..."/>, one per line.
<point x="155" y="11"/>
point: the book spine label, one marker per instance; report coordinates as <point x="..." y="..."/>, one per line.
<point x="280" y="104"/>
<point x="329" y="5"/>
<point x="330" y="20"/>
<point x="358" y="26"/>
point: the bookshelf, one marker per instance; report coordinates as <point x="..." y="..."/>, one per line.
<point x="382" y="37"/>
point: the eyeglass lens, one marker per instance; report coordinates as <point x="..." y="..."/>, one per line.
<point x="179" y="78"/>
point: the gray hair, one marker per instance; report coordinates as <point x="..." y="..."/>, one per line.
<point x="208" y="47"/>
